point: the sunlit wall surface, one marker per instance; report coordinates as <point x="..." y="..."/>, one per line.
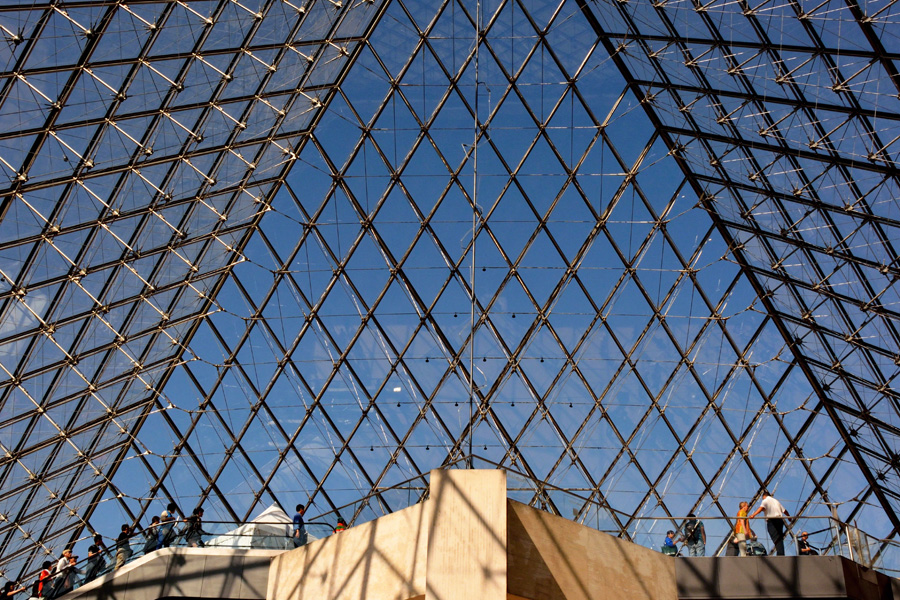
<point x="266" y="252"/>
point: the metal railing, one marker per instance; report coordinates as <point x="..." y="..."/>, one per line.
<point x="828" y="535"/>
<point x="258" y="535"/>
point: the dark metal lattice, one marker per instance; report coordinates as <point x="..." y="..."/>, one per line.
<point x="241" y="243"/>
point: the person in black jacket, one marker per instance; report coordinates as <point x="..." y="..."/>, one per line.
<point x="804" y="547"/>
<point x="95" y="564"/>
<point x="193" y="531"/>
<point x="98" y="541"/>
<point x="123" y="546"/>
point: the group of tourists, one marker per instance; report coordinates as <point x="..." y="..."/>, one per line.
<point x="62" y="576"/>
<point x="742" y="541"/>
<point x="57" y="578"/>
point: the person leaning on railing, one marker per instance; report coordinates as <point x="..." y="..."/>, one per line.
<point x="167" y="520"/>
<point x="98" y="541"/>
<point x="95" y="564"/>
<point x="803" y="546"/>
<point x="43" y="580"/>
<point x="152" y="535"/>
<point x="742" y="530"/>
<point x="694" y="536"/>
<point x="9" y="590"/>
<point x="669" y="548"/>
<point x="193" y="531"/>
<point x="775" y="514"/>
<point x="66" y="575"/>
<point x="59" y="573"/>
<point x="123" y="546"/>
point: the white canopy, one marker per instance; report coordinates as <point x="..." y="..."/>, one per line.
<point x="270" y="530"/>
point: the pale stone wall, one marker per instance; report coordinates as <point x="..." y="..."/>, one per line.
<point x="468" y="542"/>
<point x="467" y="538"/>
<point x="451" y="547"/>
<point x="382" y="559"/>
<point x="552" y="558"/>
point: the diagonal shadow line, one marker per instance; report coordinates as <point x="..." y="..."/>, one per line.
<point x="634" y="573"/>
<point x="372" y="553"/>
<point x="369" y="554"/>
<point x="767" y="576"/>
<point x="235" y="574"/>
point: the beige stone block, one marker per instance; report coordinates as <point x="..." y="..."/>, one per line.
<point x="383" y="559"/>
<point x="467" y="536"/>
<point x="184" y="576"/>
<point x="553" y="558"/>
<point x="147" y="582"/>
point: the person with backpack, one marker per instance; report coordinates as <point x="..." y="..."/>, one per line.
<point x="694" y="536"/>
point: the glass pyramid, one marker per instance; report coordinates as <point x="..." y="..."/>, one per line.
<point x="257" y="252"/>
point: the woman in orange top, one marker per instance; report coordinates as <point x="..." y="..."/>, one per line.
<point x="742" y="531"/>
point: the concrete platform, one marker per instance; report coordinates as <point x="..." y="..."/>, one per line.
<point x="738" y="578"/>
<point x="234" y="573"/>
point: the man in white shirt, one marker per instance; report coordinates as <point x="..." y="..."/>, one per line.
<point x="60" y="575"/>
<point x="61" y="565"/>
<point x="775" y="514"/>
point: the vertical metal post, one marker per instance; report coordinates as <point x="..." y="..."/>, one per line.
<point x="474" y="232"/>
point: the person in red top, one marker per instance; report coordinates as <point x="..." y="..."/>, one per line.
<point x="37" y="589"/>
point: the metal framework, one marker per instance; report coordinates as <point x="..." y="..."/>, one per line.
<point x="258" y="252"/>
